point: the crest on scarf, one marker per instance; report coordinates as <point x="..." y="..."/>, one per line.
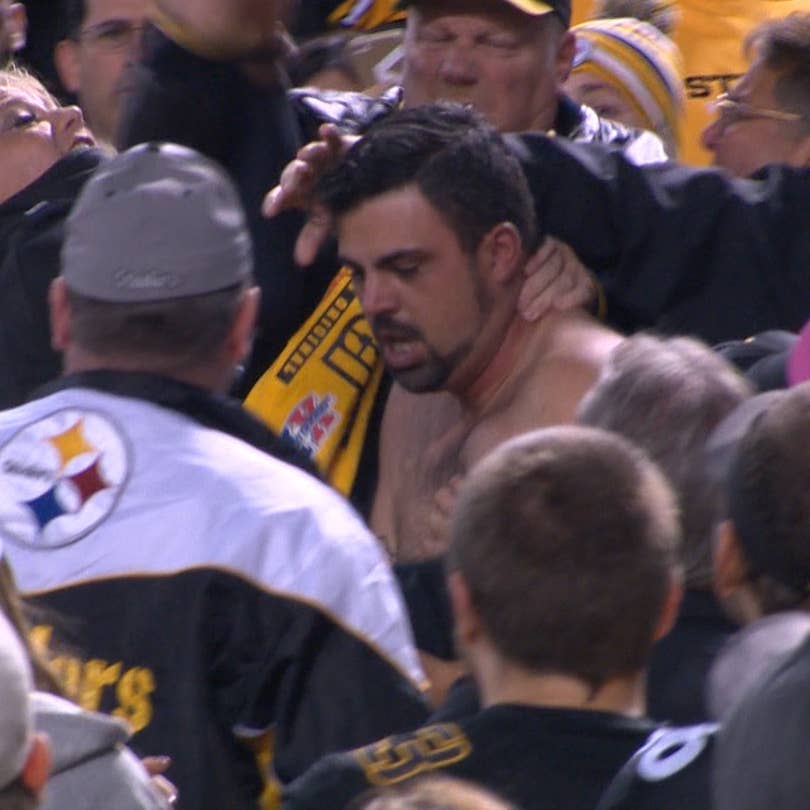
<point x="310" y="422"/>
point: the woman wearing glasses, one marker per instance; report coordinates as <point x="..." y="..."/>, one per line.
<point x="765" y="118"/>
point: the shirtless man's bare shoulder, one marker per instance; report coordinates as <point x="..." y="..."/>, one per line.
<point x="428" y="441"/>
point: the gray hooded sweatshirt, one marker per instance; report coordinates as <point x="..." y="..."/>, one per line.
<point x="92" y="767"/>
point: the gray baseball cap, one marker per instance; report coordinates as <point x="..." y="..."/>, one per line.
<point x="156" y="223"/>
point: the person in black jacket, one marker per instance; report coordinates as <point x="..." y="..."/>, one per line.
<point x="46" y="156"/>
<point x="157" y="318"/>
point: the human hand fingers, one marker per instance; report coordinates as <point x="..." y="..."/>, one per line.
<point x="166" y="789"/>
<point x="301" y="175"/>
<point x="294" y="189"/>
<point x="544" y="275"/>
<point x="577" y="286"/>
<point x="547" y="251"/>
<point x="313" y="235"/>
<point x="156" y="765"/>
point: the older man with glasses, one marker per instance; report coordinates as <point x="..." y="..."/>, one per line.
<point x="101" y="38"/>
<point x="765" y="118"/>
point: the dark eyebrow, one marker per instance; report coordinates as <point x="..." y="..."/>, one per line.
<point x="389" y="260"/>
<point x="110" y="21"/>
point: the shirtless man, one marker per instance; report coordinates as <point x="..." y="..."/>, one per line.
<point x="435" y="220"/>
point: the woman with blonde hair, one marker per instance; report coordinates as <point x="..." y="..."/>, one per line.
<point x="46" y="156"/>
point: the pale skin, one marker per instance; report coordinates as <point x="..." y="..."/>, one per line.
<point x="508" y="64"/>
<point x="35" y="133"/>
<point x="429" y="441"/>
<point x="588" y="88"/>
<point x="422" y="437"/>
<point x="751" y="142"/>
<point x="507" y="375"/>
<point x="554" y="280"/>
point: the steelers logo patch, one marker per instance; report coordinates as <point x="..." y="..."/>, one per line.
<point x="60" y="477"/>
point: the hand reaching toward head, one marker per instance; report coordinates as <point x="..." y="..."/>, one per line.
<point x="297" y="184"/>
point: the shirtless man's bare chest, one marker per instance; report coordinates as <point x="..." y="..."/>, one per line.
<point x="429" y="441"/>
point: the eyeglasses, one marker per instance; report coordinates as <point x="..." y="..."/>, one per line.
<point x="730" y="111"/>
<point x="112" y="35"/>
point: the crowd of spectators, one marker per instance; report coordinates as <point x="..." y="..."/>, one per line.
<point x="394" y="414"/>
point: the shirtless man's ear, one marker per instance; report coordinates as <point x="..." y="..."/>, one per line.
<point x="501" y="255"/>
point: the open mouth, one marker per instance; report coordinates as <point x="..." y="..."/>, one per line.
<point x="400" y="353"/>
<point x="401" y="346"/>
<point x="82" y="141"/>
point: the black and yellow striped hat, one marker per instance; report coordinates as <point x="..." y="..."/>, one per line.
<point x="643" y="64"/>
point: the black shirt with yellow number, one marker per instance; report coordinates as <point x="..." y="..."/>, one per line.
<point x="538" y="758"/>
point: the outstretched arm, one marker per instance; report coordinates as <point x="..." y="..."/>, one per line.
<point x="555" y="277"/>
<point x="684" y="250"/>
<point x="251" y="128"/>
<point x="296" y="189"/>
<point x="219" y="29"/>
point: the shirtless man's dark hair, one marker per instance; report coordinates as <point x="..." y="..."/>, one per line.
<point x="435" y="220"/>
<point x="434" y="147"/>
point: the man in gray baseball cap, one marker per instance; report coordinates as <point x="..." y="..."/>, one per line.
<point x="157" y="270"/>
<point x="141" y="502"/>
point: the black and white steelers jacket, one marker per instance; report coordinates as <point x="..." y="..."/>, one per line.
<point x="220" y="600"/>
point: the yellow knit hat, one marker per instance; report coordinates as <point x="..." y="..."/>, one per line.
<point x="643" y="64"/>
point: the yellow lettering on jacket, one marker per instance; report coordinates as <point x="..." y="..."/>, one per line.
<point x="89" y="682"/>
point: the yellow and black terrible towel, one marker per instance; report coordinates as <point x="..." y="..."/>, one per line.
<point x="320" y="392"/>
<point x="366" y="15"/>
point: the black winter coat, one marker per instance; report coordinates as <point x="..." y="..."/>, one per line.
<point x="31" y="228"/>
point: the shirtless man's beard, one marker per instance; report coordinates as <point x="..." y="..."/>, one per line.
<point x="412" y="361"/>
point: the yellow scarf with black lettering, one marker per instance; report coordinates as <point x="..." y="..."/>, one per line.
<point x="320" y="391"/>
